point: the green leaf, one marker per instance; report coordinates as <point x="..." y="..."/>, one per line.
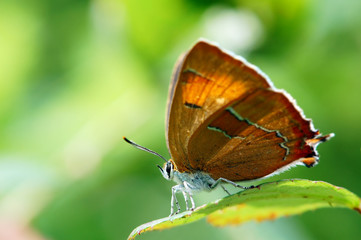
<point x="267" y="201"/>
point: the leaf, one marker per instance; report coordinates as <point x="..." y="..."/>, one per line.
<point x="267" y="201"/>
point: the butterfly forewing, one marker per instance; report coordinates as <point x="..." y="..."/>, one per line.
<point x="226" y="119"/>
<point x="205" y="81"/>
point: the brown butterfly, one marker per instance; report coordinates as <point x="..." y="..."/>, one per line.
<point x="226" y="123"/>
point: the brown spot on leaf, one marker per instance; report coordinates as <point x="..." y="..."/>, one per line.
<point x="358" y="209"/>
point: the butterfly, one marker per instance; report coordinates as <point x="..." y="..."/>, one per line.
<point x="227" y="123"/>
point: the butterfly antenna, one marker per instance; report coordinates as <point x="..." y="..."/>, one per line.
<point x="144" y="148"/>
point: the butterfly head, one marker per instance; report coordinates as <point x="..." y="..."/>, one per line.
<point x="167" y="170"/>
<point x="168" y="167"/>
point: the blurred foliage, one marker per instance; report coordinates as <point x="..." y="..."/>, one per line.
<point x="76" y="76"/>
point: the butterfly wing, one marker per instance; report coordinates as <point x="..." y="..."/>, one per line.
<point x="201" y="85"/>
<point x="225" y="118"/>
<point x="255" y="136"/>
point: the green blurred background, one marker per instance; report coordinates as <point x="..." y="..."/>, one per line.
<point x="76" y="76"/>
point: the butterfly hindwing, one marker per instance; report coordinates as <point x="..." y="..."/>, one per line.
<point x="248" y="142"/>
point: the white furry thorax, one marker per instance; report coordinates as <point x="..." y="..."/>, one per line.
<point x="194" y="182"/>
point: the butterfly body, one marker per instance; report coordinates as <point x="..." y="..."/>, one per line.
<point x="189" y="183"/>
<point x="195" y="182"/>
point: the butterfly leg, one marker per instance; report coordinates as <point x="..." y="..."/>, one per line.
<point x="185" y="199"/>
<point x="189" y="187"/>
<point x="175" y="189"/>
<point x="230" y="182"/>
<point x="225" y="189"/>
<point x="235" y="184"/>
<point x="192" y="201"/>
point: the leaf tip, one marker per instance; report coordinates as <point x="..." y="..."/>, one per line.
<point x="358" y="209"/>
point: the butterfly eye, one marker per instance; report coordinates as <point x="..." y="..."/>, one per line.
<point x="166" y="170"/>
<point x="169" y="169"/>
